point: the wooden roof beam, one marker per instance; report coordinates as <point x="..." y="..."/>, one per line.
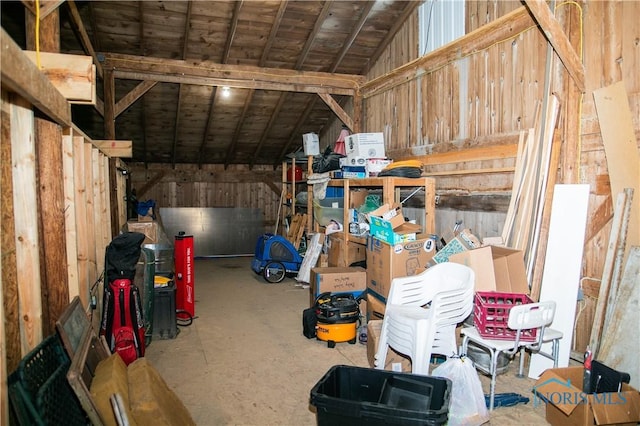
<point x="185" y="44"/>
<point x="214" y="92"/>
<point x="19" y="74"/>
<point x="46" y="7"/>
<point x="78" y="26"/>
<point x="265" y="133"/>
<point x="239" y="76"/>
<point x="408" y="10"/>
<point x="265" y="53"/>
<point x="236" y="134"/>
<point x="354" y="33"/>
<point x="296" y="130"/>
<point x="554" y="33"/>
<point x="130" y="98"/>
<point x="314" y="32"/>
<point x="337" y="109"/>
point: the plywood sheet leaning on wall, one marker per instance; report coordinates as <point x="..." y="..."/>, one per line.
<point x="620" y="342"/>
<point x="621" y="148"/>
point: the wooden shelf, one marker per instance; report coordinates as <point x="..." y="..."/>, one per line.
<point x="390" y="194"/>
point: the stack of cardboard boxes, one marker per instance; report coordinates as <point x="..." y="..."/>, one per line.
<point x="365" y="156"/>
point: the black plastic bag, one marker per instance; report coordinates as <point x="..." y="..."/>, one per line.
<point x="326" y="161"/>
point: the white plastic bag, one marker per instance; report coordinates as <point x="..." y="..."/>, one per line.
<point x="467" y="407"/>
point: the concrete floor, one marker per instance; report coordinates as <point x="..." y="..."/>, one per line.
<point x="244" y="361"/>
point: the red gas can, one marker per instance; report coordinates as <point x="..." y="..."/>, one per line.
<point x="297" y="174"/>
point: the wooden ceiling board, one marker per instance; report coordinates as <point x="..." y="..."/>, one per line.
<point x="227" y="130"/>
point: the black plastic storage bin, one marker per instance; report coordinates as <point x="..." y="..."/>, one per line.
<point x="349" y="396"/>
<point x="164" y="312"/>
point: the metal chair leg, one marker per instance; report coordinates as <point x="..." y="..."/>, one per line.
<point x="494" y="368"/>
<point x="521" y="369"/>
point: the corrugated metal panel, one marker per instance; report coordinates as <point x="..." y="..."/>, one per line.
<point x="440" y="23"/>
<point x="216" y="231"/>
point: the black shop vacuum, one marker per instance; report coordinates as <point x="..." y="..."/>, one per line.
<point x="334" y="318"/>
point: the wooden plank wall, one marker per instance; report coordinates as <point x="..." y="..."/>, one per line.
<point x="492" y="94"/>
<point x="86" y="233"/>
<point x="211" y="186"/>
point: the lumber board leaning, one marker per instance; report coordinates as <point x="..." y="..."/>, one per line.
<point x="23" y="155"/>
<point x="615" y="237"/>
<point x="620" y="342"/>
<point x="620" y="146"/>
<point x="20" y="75"/>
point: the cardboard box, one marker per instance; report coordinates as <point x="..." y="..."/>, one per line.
<point x="311" y="144"/>
<point x="337" y="280"/>
<point x="149" y="229"/>
<point x="352" y="160"/>
<point x="365" y="145"/>
<point x="338" y="250"/>
<point x="496" y="268"/>
<point x="376" y="307"/>
<point x="388" y="225"/>
<point x="354" y="172"/>
<point x="394" y="360"/>
<point x="566" y="404"/>
<point x="385" y="262"/>
<point x="357" y="198"/>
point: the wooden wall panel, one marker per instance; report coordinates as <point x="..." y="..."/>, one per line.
<point x="25" y="200"/>
<point x="496" y="92"/>
<point x="212" y="186"/>
<point x="11" y="318"/>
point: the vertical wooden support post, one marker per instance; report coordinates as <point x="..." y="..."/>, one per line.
<point x="23" y="157"/>
<point x="90" y="234"/>
<point x="357" y="113"/>
<point x="55" y="285"/>
<point x="110" y="134"/>
<point x="11" y="318"/>
<point x="80" y="205"/>
<point x="70" y="214"/>
<point x="48" y="138"/>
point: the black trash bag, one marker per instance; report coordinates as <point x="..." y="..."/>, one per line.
<point x="122" y="255"/>
<point x="326" y="161"/>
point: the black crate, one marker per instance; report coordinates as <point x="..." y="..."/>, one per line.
<point x="164" y="312"/>
<point x="39" y="392"/>
<point x="348" y="395"/>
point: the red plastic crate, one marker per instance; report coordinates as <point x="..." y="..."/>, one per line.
<point x="491" y="315"/>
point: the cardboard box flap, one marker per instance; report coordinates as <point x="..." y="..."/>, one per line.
<point x="510" y="273"/>
<point x="390" y="213"/>
<point x="616" y="407"/>
<point x="555" y="383"/>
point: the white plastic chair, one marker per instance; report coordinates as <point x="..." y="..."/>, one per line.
<point x="418" y="331"/>
<point x="522" y="317"/>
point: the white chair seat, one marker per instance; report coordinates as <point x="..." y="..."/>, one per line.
<point x="418" y="332"/>
<point x="551" y="334"/>
<point x="410" y="312"/>
<point x="499" y="345"/>
<point x="522" y="317"/>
